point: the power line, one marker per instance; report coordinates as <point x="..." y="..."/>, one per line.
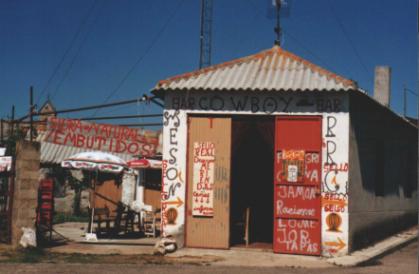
<point x="345" y="33"/>
<point x="142" y="125"/>
<point x="141" y="58"/>
<point x="117" y="117"/>
<point x="76" y="55"/>
<point x="321" y="60"/>
<point x="120" y="117"/>
<point x="308" y="50"/>
<point x="67" y="51"/>
<point x="411" y="92"/>
<point x="119" y="103"/>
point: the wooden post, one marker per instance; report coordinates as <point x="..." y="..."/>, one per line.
<point x="246" y="230"/>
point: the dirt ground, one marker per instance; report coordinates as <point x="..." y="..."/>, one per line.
<point x="403" y="261"/>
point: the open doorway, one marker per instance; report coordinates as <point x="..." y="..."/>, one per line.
<point x="252" y="181"/>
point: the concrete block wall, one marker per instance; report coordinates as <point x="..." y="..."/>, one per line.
<point x="25" y="198"/>
<point x="382" y="176"/>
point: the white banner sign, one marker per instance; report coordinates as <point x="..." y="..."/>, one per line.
<point x="203" y="179"/>
<point x="5" y="163"/>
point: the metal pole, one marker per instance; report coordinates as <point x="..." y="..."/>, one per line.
<point x="404" y="100"/>
<point x="141" y="125"/>
<point x="201" y="37"/>
<point x="132" y="101"/>
<point x="278" y="23"/>
<point x="417" y="30"/>
<point x="31" y="113"/>
<point x="120" y="117"/>
<point x="1" y="132"/>
<point x="12" y="122"/>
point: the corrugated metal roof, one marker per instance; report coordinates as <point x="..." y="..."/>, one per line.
<point x="273" y="70"/>
<point x="54" y="154"/>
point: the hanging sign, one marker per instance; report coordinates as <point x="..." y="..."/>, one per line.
<point x="203" y="179"/>
<point x="101" y="137"/>
<point x="5" y="163"/>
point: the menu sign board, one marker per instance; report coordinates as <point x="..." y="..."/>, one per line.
<point x="203" y="179"/>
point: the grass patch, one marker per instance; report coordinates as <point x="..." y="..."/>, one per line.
<point x="83" y="258"/>
<point x="29" y="255"/>
<point x="38" y="255"/>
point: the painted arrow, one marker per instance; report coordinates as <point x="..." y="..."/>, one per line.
<point x="339" y="244"/>
<point x="341" y="203"/>
<point x="178" y="202"/>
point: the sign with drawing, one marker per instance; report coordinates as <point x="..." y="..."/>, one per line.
<point x="291" y="164"/>
<point x="203" y="179"/>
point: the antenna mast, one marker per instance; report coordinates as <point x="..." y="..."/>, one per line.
<point x="277" y="29"/>
<point x="206" y="32"/>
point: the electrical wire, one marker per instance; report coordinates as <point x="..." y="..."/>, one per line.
<point x="412" y="92"/>
<point x="308" y="50"/>
<point x="345" y="33"/>
<point x="286" y="33"/>
<point x="67" y="51"/>
<point x="141" y="58"/>
<point x="76" y="55"/>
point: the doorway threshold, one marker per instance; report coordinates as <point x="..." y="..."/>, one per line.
<point x="261" y="247"/>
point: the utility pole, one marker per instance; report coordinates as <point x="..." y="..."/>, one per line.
<point x="31" y="113"/>
<point x="206" y="34"/>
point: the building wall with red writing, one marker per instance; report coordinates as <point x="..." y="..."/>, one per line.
<point x="332" y="107"/>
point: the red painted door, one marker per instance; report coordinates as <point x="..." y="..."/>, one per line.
<point x="297" y="199"/>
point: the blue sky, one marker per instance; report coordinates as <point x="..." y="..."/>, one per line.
<point x="347" y="37"/>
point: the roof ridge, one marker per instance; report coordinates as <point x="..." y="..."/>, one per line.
<point x="244" y="59"/>
<point x="319" y="69"/>
<point x="261" y="55"/>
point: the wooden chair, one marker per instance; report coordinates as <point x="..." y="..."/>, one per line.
<point x="101" y="216"/>
<point x="152" y="223"/>
<point x="124" y="220"/>
<point x="149" y="222"/>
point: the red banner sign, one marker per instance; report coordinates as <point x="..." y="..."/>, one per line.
<point x="301" y="202"/>
<point x="297" y="236"/>
<point x="101" y="137"/>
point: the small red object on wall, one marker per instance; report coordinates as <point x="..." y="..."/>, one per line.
<point x="45" y="211"/>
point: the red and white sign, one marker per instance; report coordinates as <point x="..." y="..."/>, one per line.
<point x="5" y="163"/>
<point x="203" y="179"/>
<point x="145" y="163"/>
<point x="296" y="236"/>
<point x="297" y="186"/>
<point x="101" y="137"/>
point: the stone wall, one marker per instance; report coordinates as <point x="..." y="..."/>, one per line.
<point x="25" y="188"/>
<point x="66" y="204"/>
